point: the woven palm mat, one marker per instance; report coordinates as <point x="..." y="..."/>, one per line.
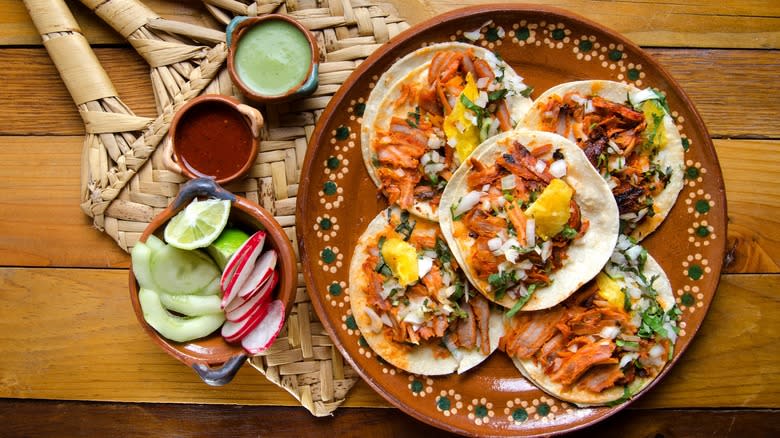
<point x="126" y="165"/>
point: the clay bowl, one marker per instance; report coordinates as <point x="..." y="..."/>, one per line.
<point x="238" y="27"/>
<point x="213" y="359"/>
<point x="215" y="136"/>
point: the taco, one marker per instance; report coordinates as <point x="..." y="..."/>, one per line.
<point x="605" y="343"/>
<point x="628" y="135"/>
<point x="411" y="302"/>
<point x="428" y="112"/>
<point x="529" y="219"/>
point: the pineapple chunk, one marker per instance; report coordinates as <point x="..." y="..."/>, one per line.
<point x="551" y="209"/>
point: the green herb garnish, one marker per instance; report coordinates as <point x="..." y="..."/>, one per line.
<point x="522" y="301"/>
<point x="405" y="228"/>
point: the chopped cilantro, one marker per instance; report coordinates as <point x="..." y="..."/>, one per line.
<point x="459" y="291"/>
<point x="442" y="251"/>
<point x="622" y="399"/>
<point x="405" y="228"/>
<point x="497" y="95"/>
<point x="454" y="207"/>
<point x="568" y="232"/>
<point x="500" y="282"/>
<point x="522" y="301"/>
<point x="626" y="300"/>
<point x="413" y="118"/>
<point x="479" y="111"/>
<point x="629" y="344"/>
<point x="527" y="91"/>
<point x="558" y="155"/>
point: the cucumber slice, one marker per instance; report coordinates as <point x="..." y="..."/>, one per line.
<point x="155" y="243"/>
<point x="178" y="271"/>
<point x="212" y="288"/>
<point x="192" y="305"/>
<point x="141" y="256"/>
<point x="175" y="328"/>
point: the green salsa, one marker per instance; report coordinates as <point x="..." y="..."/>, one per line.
<point x="273" y="57"/>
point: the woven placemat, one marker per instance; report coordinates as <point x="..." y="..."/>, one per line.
<point x="126" y="177"/>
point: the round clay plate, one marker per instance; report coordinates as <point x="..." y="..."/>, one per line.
<point x="337" y="200"/>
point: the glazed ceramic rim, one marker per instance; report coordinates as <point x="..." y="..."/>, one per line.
<point x="212" y="99"/>
<point x="239" y="31"/>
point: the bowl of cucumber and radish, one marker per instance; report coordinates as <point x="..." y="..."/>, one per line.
<point x="212" y="279"/>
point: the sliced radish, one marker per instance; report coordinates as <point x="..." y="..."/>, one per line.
<point x="264" y="290"/>
<point x="255" y="241"/>
<point x="260" y="274"/>
<point x="238" y="312"/>
<point x="240" y="266"/>
<point x="263" y="335"/>
<point x="234" y="331"/>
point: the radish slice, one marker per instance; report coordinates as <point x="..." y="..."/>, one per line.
<point x="264" y="288"/>
<point x="264" y="334"/>
<point x="238" y="309"/>
<point x="260" y="273"/>
<point x="255" y="241"/>
<point x="245" y="259"/>
<point x="234" y="331"/>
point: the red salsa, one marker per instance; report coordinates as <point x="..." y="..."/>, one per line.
<point x="213" y="140"/>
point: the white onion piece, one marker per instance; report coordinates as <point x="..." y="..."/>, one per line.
<point x="376" y="321"/>
<point x="557" y="168"/>
<point x="530" y="231"/>
<point x="386" y="320"/>
<point x="656" y="350"/>
<point x="457" y="354"/>
<point x="642" y="95"/>
<point x="425" y="159"/>
<point x="400" y="172"/>
<point x="546" y="250"/>
<point x="468" y="202"/>
<point x="482" y="99"/>
<point x="578" y="99"/>
<point x="508" y="182"/>
<point x="633" y="252"/>
<point x="628" y="216"/>
<point x="388" y="286"/>
<point x="482" y="82"/>
<point x="623" y="243"/>
<point x="525" y="264"/>
<point x="670" y="333"/>
<point x="627" y="358"/>
<point x="434" y="142"/>
<point x="424" y="265"/>
<point x="540" y="166"/>
<point x="589" y="107"/>
<point x="610" y="332"/>
<point x="446" y="278"/>
<point x="494" y="244"/>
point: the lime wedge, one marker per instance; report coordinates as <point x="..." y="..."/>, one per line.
<point x="226" y="245"/>
<point x="199" y="224"/>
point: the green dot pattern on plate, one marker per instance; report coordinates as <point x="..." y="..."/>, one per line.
<point x="416" y="386"/>
<point x="360" y="108"/>
<point x="702" y="231"/>
<point x="520" y="415"/>
<point x="329" y="188"/>
<point x="362" y="341"/>
<point x="444" y="403"/>
<point x="333" y="163"/>
<point x="328" y="256"/>
<point x="702" y="206"/>
<point x="633" y="74"/>
<point x="481" y="411"/>
<point x="695" y="272"/>
<point x="342" y="133"/>
<point x="692" y="172"/>
<point x="351" y="323"/>
<point x="686" y="144"/>
<point x="543" y="409"/>
<point x="558" y="34"/>
<point x="615" y="55"/>
<point x="585" y="46"/>
<point x="326" y="223"/>
<point x="523" y="34"/>
<point x="335" y="289"/>
<point x="491" y="34"/>
<point x="687" y="299"/>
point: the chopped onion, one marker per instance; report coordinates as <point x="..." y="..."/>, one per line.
<point x="578" y="99"/>
<point x="376" y="321"/>
<point x="482" y="100"/>
<point x="558" y="168"/>
<point x="452" y="142"/>
<point x="501" y="201"/>
<point x="636" y="319"/>
<point x="656" y="350"/>
<point x="612" y="183"/>
<point x="400" y="172"/>
<point x="434" y="168"/>
<point x="434" y="142"/>
<point x="634" y="293"/>
<point x="467" y="202"/>
<point x="472" y="35"/>
<point x="525" y="264"/>
<point x="486" y="204"/>
<point x="425" y="159"/>
<point x="589" y="107"/>
<point x="508" y="182"/>
<point x="540" y="166"/>
<point x="623" y="243"/>
<point x="430" y="253"/>
<point x="546" y="250"/>
<point x="618" y="258"/>
<point x="627" y="358"/>
<point x="670" y="333"/>
<point x="457" y="354"/>
<point x="424" y="265"/>
<point x="494" y="244"/>
<point x="642" y="95"/>
<point x="530" y="231"/>
<point x="633" y="252"/>
<point x="485" y="188"/>
<point x="388" y="287"/>
<point x="610" y="332"/>
<point x="628" y="216"/>
<point x="386" y="320"/>
<point x="482" y="82"/>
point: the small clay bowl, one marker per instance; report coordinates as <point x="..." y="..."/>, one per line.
<point x="239" y="27"/>
<point x="215" y="360"/>
<point x="216" y="136"/>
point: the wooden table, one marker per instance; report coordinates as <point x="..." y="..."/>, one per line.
<point x="74" y="361"/>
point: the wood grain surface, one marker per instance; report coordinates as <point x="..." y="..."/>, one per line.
<point x="69" y="334"/>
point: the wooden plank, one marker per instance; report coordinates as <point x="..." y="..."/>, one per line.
<point x="697" y="23"/>
<point x="23" y="418"/>
<point x="734" y="90"/>
<point x="41" y="223"/>
<point x="71" y="334"/>
<point x="701" y="23"/>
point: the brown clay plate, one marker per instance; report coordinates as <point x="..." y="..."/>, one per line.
<point x="337" y="200"/>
